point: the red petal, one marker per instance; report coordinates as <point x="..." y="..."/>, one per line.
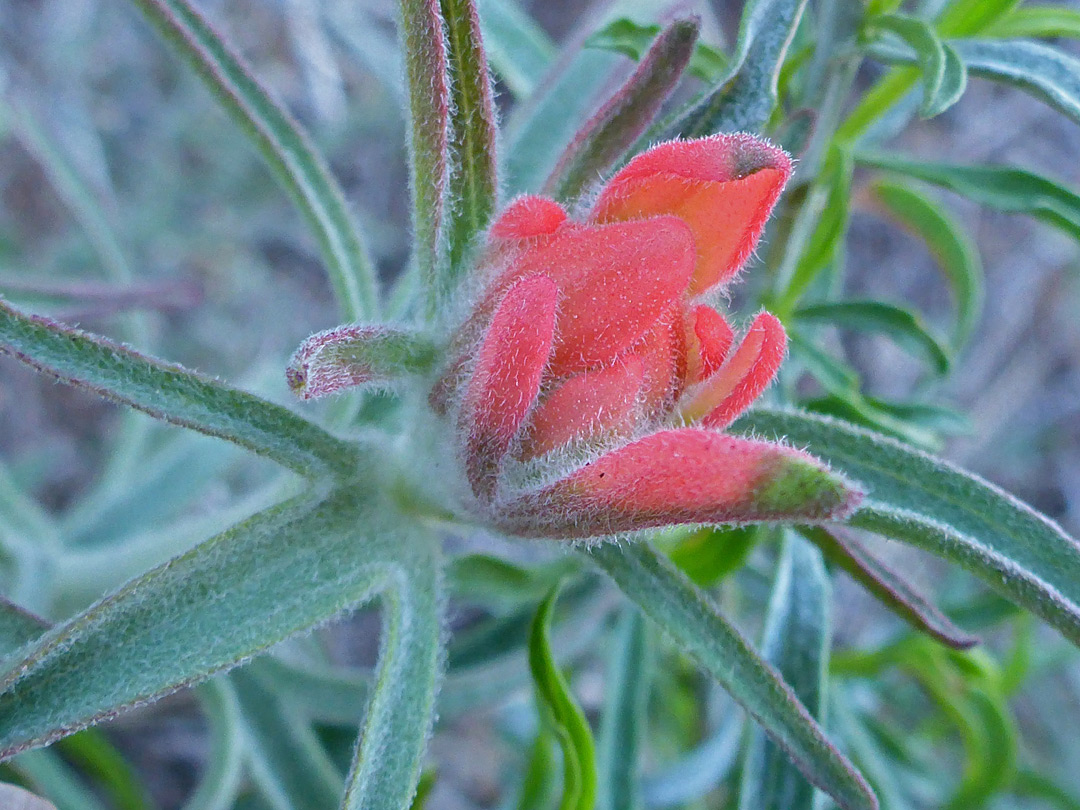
<point x="614" y="282"/>
<point x="529" y="216"/>
<point x="586" y="406"/>
<point x="724" y="187"/>
<point x="662" y="351"/>
<point x="710" y="338"/>
<point x="682" y="476"/>
<point x="730" y="391"/>
<point x="506" y="378"/>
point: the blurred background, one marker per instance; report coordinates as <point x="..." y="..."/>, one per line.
<point x="130" y="205"/>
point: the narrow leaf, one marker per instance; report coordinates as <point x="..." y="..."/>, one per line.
<point x="562" y="714"/>
<point x="1032" y="22"/>
<point x="633" y="39"/>
<point x="931" y="504"/>
<point x="1002" y="187"/>
<point x="274" y="575"/>
<point x="888" y="586"/>
<point x="626" y="115"/>
<point x="744" y="98"/>
<point x="905" y="327"/>
<point x="424" y="51"/>
<point x="667" y="597"/>
<point x="15" y="798"/>
<point x="473" y="181"/>
<point x="283" y="144"/>
<point x="950" y="246"/>
<point x="18" y="627"/>
<point x="387" y="765"/>
<point x="220" y="782"/>
<point x="623" y="727"/>
<point x="285" y="759"/>
<point x="797" y="636"/>
<point x="944" y="75"/>
<point x="172" y="393"/>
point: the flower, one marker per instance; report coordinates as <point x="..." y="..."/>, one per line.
<point x="593" y="357"/>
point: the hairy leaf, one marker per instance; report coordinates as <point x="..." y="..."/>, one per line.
<point x="173" y="394"/>
<point x="944" y="74"/>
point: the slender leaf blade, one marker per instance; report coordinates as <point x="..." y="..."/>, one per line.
<point x="172" y="393"/>
<point x="666" y="596"/>
<point x="1033" y="22"/>
<point x="473" y="182"/>
<point x="282" y="142"/>
<point x="520" y="51"/>
<point x="562" y="714"/>
<point x="18" y="627"/>
<point x="15" y="798"/>
<point x="797" y="637"/>
<point x="220" y="782"/>
<point x="387" y="766"/>
<point x="929" y="503"/>
<point x="276" y="574"/>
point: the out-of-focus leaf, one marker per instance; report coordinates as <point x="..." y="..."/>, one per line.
<point x="931" y="504"/>
<point x="541" y="776"/>
<point x="888" y="587"/>
<point x="1036" y="21"/>
<point x="220" y="782"/>
<point x="562" y="715"/>
<point x="18" y="627"/>
<point x="623" y="726"/>
<point x="967" y="18"/>
<point x="488" y="578"/>
<point x="679" y="608"/>
<point x="423" y="47"/>
<point x="709" y="554"/>
<point x="626" y="115"/>
<point x="92" y="753"/>
<point x="700" y="771"/>
<point x="473" y="131"/>
<point x="744" y="98"/>
<point x="943" y="73"/>
<point x="286" y="762"/>
<point x="283" y="144"/>
<point x="276" y="574"/>
<point x="906" y="328"/>
<point x="519" y="50"/>
<point x="797" y="634"/>
<point x="386" y="768"/>
<point x="950" y="246"/>
<point x="49" y="775"/>
<point x="633" y="39"/>
<point x="1002" y="187"/>
<point x="173" y="394"/>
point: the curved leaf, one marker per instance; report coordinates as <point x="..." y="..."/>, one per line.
<point x="623" y="727"/>
<point x="950" y="246"/>
<point x="220" y="782"/>
<point x="173" y="394"/>
<point x="1037" y="21"/>
<point x="684" y="612"/>
<point x="929" y="503"/>
<point x="283" y="144"/>
<point x="797" y="636"/>
<point x="943" y="73"/>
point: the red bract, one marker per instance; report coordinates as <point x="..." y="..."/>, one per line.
<point x="591" y="358"/>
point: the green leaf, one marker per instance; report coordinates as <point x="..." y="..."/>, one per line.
<point x="905" y="327"/>
<point x="709" y="554"/>
<point x="1032" y="22"/>
<point x="665" y="595"/>
<point x="623" y="726"/>
<point x="626" y="115"/>
<point x="473" y="141"/>
<point x="389" y="757"/>
<point x="968" y="18"/>
<point x="796" y="642"/>
<point x="173" y="394"/>
<point x="274" y="575"/>
<point x="888" y="586"/>
<point x="931" y="504"/>
<point x="1002" y="187"/>
<point x="487" y="578"/>
<point x="220" y="782"/>
<point x="423" y="48"/>
<point x="47" y="773"/>
<point x="95" y="757"/>
<point x="943" y="73"/>
<point x="283" y="144"/>
<point x="519" y="50"/>
<point x="949" y="244"/>
<point x="285" y="759"/>
<point x="633" y="39"/>
<point x="18" y="627"/>
<point x="744" y="98"/>
<point x="562" y="714"/>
